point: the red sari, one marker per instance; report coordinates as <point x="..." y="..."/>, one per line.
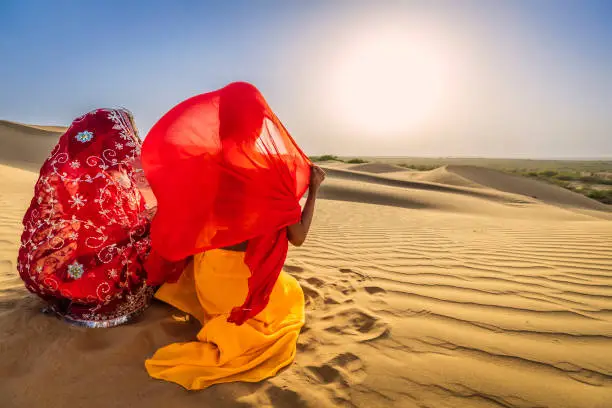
<point x="86" y="232"/>
<point x="224" y="170"/>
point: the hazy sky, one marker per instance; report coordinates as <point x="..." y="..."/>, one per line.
<point x="494" y="78"/>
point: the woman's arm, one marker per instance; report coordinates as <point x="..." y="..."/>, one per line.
<point x="297" y="233"/>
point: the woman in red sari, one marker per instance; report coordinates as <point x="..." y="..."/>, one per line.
<point x="228" y="178"/>
<point x="86" y="232"/>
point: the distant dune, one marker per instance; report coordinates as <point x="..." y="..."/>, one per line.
<point x="26" y="146"/>
<point x="533" y="188"/>
<point x="458" y="287"/>
<point x="464" y="180"/>
<point x="376" y="168"/>
<point x="442" y="175"/>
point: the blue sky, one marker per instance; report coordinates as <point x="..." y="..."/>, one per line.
<point x="523" y="78"/>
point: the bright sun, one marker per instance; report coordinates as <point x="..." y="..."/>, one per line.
<point x="389" y="83"/>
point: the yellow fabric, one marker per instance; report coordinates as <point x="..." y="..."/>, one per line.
<point x="208" y="289"/>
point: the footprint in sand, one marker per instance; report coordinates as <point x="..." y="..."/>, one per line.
<point x="329" y="300"/>
<point x="284" y="397"/>
<point x="359" y="277"/>
<point x="325" y="373"/>
<point x="359" y="324"/>
<point x="311" y="295"/>
<point x="293" y="269"/>
<point x="351" y="365"/>
<point x="318" y="293"/>
<point x="316" y="282"/>
<point x="346" y="286"/>
<point x="339" y="374"/>
<point x="307" y="341"/>
<point x="315" y="300"/>
<point x="373" y="290"/>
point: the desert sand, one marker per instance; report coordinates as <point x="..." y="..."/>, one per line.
<point x="459" y="287"/>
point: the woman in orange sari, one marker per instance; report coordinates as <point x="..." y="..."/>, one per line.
<point x="228" y="178"/>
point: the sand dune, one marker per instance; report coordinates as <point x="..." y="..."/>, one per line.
<point x="453" y="290"/>
<point x="376" y="168"/>
<point x="521" y="185"/>
<point x="26" y="146"/>
<point x="441" y="175"/>
<point x="470" y="181"/>
<point x="378" y="187"/>
<point x="394" y="181"/>
<point x="54" y="129"/>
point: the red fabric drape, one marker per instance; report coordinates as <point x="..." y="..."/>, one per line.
<point x="86" y="232"/>
<point x="224" y="170"/>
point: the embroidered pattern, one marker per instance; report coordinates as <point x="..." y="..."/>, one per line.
<point x="75" y="270"/>
<point x="77" y="201"/>
<point x="84" y="136"/>
<point x="80" y="204"/>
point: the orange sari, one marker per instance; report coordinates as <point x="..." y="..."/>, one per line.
<point x="208" y="289"/>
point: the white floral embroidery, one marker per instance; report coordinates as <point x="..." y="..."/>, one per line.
<point x="118" y="146"/>
<point x="77" y="201"/>
<point x="114" y="116"/>
<point x="75" y="164"/>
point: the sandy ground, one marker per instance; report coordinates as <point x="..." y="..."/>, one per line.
<point x="458" y="287"/>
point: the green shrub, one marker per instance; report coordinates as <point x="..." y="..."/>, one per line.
<point x="561" y="183"/>
<point x="596" y="194"/>
<point x="419" y="167"/>
<point x="566" y="177"/>
<point x="604" y="196"/>
<point x="596" y="180"/>
<point x="357" y="161"/>
<point x="325" y="157"/>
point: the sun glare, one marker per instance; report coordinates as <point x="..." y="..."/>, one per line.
<point x="390" y="82"/>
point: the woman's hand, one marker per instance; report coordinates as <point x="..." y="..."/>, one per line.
<point x="317" y="175"/>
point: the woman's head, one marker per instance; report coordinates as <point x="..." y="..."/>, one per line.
<point x="242" y="110"/>
<point x="106" y="137"/>
<point x="220" y="161"/>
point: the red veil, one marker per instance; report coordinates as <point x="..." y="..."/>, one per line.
<point x="86" y="232"/>
<point x="224" y="170"/>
